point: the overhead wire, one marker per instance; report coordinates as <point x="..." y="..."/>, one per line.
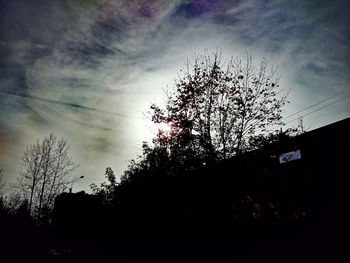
<point x="318" y="109"/>
<point x="318" y="103"/>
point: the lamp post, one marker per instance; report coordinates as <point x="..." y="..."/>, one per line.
<point x="73" y="181"/>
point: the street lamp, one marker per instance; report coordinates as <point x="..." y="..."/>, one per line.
<point x="73" y="181"/>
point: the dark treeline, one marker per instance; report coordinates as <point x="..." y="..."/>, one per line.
<point x="250" y="206"/>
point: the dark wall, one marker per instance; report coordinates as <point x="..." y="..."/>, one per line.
<point x="78" y="215"/>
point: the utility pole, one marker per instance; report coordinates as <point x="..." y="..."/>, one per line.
<point x="301" y="124"/>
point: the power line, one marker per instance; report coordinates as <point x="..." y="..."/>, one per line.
<point x="321" y="108"/>
<point x="313" y="105"/>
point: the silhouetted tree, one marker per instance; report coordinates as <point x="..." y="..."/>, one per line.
<point x="2" y="181"/>
<point x="13" y="201"/>
<point x="106" y="189"/>
<point x="110" y="176"/>
<point x="94" y="188"/>
<point x="217" y="109"/>
<point x="152" y="163"/>
<point x="3" y="206"/>
<point x="45" y="170"/>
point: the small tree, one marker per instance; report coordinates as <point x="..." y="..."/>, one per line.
<point x="2" y="181"/>
<point x="218" y="109"/>
<point x="45" y="170"/>
<point x="106" y="189"/>
<point x="3" y="208"/>
<point x="110" y="176"/>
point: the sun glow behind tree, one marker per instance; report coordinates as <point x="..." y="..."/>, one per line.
<point x="221" y="108"/>
<point x="165" y="128"/>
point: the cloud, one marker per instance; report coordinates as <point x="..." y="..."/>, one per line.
<point x="88" y="69"/>
<point x="63" y="103"/>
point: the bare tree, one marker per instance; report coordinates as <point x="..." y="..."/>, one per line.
<point x="2" y="181"/>
<point x="45" y="172"/>
<point x="220" y="107"/>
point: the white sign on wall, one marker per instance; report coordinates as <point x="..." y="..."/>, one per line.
<point x="290" y="156"/>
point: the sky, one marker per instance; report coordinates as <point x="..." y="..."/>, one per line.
<point x="88" y="70"/>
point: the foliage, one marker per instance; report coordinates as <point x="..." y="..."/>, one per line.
<point x="2" y="181"/>
<point x="110" y="176"/>
<point x="217" y="110"/>
<point x="45" y="172"/>
<point x="106" y="189"/>
<point x="3" y="207"/>
<point x="158" y="162"/>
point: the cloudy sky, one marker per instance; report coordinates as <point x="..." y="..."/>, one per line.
<point x="87" y="70"/>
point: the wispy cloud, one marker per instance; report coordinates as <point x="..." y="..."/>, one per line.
<point x="88" y="69"/>
<point x="72" y="105"/>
